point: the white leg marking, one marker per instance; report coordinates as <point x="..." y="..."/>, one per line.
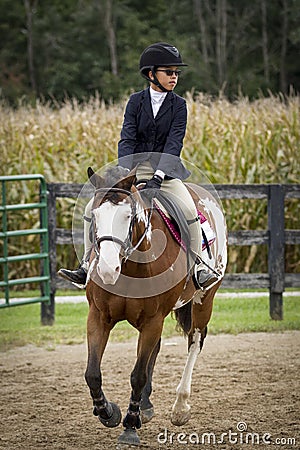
<point x="181" y="408"/>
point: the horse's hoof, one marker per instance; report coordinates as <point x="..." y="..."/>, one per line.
<point x="147" y="414"/>
<point x="129" y="437"/>
<point x="115" y="418"/>
<point x="181" y="418"/>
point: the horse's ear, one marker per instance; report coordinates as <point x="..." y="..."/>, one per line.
<point x="128" y="181"/>
<point x="95" y="179"/>
<point x="90" y="172"/>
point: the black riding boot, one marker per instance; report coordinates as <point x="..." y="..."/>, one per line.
<point x="76" y="276"/>
<point x="203" y="279"/>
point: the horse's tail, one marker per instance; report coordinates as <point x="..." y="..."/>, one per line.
<point x="184" y="317"/>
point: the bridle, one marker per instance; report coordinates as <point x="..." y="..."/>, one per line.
<point x="127" y="248"/>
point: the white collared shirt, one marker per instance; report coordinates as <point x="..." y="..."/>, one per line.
<point x="157" y="99"/>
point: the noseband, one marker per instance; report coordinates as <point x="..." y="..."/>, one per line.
<point x="126" y="246"/>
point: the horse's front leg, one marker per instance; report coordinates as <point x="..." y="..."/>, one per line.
<point x="181" y="409"/>
<point x="148" y="345"/>
<point x="98" y="332"/>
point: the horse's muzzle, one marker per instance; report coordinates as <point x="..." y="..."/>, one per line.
<point x="108" y="273"/>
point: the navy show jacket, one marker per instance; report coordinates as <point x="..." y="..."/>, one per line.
<point x="158" y="140"/>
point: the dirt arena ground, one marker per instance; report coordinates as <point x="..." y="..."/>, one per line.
<point x="248" y="381"/>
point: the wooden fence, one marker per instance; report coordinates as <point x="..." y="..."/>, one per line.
<point x="275" y="237"/>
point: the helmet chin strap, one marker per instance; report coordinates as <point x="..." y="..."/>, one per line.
<point x="156" y="82"/>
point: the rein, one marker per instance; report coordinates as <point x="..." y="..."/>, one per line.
<point x="127" y="247"/>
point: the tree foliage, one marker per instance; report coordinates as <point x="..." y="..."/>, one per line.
<point x="74" y="48"/>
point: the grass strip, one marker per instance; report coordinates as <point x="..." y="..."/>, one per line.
<point x="21" y="325"/>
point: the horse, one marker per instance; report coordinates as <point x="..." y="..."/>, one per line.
<point x="138" y="273"/>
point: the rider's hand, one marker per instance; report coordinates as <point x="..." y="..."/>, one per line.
<point x="154" y="183"/>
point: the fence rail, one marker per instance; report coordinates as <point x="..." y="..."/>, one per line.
<point x="275" y="237"/>
<point x="44" y="278"/>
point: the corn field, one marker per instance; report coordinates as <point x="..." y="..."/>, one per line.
<point x="240" y="142"/>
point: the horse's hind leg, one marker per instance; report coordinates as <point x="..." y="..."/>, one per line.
<point x="147" y="409"/>
<point x="201" y="313"/>
<point x="98" y="332"/>
<point x="181" y="411"/>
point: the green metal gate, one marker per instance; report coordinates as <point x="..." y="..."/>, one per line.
<point x="5" y="234"/>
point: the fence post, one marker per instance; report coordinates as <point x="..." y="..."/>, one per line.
<point x="276" y="249"/>
<point x="48" y="310"/>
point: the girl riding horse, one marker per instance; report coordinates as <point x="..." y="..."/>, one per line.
<point x="152" y="138"/>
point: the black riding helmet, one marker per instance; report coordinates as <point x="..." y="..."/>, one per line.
<point x="159" y="54"/>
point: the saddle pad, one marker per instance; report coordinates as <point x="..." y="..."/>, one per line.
<point x="174" y="230"/>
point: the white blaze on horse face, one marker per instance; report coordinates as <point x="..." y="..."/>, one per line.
<point x="111" y="220"/>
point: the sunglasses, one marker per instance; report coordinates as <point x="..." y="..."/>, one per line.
<point x="170" y="72"/>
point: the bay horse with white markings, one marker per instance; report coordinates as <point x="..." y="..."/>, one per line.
<point x="138" y="273"/>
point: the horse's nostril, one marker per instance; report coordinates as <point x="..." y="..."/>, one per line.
<point x="117" y="269"/>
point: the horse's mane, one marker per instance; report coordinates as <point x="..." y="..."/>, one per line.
<point x="114" y="174"/>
